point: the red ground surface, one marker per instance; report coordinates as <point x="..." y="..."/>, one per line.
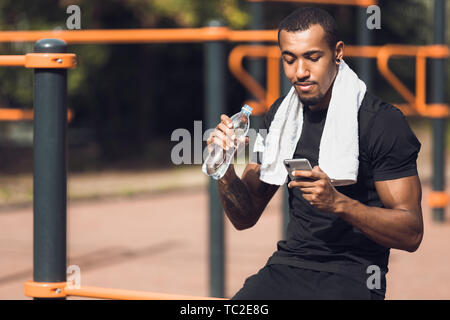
<point x="159" y="243"/>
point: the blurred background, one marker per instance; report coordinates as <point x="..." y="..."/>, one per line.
<point x="126" y="100"/>
<point x="123" y="113"/>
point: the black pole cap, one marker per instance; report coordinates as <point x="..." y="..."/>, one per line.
<point x="50" y="46"/>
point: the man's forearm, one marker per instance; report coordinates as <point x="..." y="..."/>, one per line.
<point x="236" y="200"/>
<point x="391" y="228"/>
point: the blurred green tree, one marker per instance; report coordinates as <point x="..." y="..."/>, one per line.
<point x="127" y="97"/>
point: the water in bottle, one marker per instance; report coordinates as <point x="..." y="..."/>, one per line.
<point x="218" y="160"/>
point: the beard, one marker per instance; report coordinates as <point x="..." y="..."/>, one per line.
<point x="311" y="101"/>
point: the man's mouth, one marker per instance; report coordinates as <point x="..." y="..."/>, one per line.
<point x="305" y="86"/>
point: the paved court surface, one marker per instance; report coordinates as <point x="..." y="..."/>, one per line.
<point x="159" y="243"/>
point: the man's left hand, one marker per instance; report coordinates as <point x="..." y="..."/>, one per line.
<point x="319" y="192"/>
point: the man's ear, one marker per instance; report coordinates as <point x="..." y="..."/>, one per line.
<point x="339" y="52"/>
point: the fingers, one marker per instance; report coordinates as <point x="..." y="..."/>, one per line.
<point x="226" y="140"/>
<point x="314" y="174"/>
<point x="302" y="184"/>
<point x="315" y="187"/>
<point x="226" y="121"/>
<point x="223" y="135"/>
<point x="226" y="126"/>
<point x="310" y="198"/>
<point x="310" y="190"/>
<point x="229" y="133"/>
<point x="218" y="138"/>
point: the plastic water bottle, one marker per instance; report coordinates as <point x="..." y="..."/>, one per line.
<point x="217" y="162"/>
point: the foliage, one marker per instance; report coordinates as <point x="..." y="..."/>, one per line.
<point x="127" y="96"/>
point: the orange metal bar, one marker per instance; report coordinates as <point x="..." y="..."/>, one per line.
<point x="44" y="289"/>
<point x="253" y="35"/>
<point x="421" y="52"/>
<point x="142" y="35"/>
<point x="235" y="64"/>
<point x="361" y="3"/>
<point x="15" y="114"/>
<point x="35" y="60"/>
<point x="273" y="75"/>
<point x="383" y="57"/>
<point x="24" y="114"/>
<point x="438" y="199"/>
<point x="103" y="293"/>
<point x="362" y="51"/>
<point x="40" y="60"/>
<point x="416" y="104"/>
<point x="12" y="61"/>
<point x="61" y="289"/>
<point x="50" y="60"/>
<point x="421" y="83"/>
<point x="272" y="53"/>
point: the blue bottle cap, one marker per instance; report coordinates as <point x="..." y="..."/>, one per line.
<point x="247" y="110"/>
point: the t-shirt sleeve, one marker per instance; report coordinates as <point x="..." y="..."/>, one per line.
<point x="393" y="147"/>
<point x="266" y="120"/>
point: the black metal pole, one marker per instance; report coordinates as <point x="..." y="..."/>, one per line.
<point x="256" y="66"/>
<point x="364" y="38"/>
<point x="215" y="73"/>
<point x="50" y="170"/>
<point x="438" y="96"/>
<point x="285" y="87"/>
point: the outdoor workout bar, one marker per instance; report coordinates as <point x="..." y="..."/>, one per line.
<point x="360" y="3"/>
<point x="417" y="104"/>
<point x="58" y="290"/>
<point x="34" y="60"/>
<point x="50" y="62"/>
<point x="52" y="68"/>
<point x="210" y="33"/>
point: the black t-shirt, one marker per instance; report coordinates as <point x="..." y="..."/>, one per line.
<point x="322" y="241"/>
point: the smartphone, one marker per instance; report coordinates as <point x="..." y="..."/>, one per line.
<point x="297" y="164"/>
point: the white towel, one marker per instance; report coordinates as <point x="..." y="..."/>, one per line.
<point x="339" y="144"/>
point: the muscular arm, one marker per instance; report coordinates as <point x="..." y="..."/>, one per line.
<point x="244" y="199"/>
<point x="400" y="224"/>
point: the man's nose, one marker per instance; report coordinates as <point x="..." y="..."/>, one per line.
<point x="302" y="71"/>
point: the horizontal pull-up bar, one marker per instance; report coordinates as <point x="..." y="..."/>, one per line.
<point x="61" y="290"/>
<point x="416" y="103"/>
<point x="360" y="3"/>
<point x="8" y="114"/>
<point x="35" y="61"/>
<point x="12" y="61"/>
<point x="40" y="60"/>
<point x="143" y="35"/>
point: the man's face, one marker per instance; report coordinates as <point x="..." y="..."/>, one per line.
<point x="308" y="63"/>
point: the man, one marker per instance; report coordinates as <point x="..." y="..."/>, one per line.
<point x="337" y="235"/>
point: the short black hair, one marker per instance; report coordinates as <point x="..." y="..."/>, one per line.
<point x="303" y="18"/>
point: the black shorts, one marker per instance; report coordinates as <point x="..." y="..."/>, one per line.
<point x="284" y="282"/>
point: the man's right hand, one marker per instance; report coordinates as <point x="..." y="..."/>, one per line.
<point x="223" y="135"/>
<point x="242" y="199"/>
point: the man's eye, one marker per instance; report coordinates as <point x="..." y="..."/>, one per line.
<point x="314" y="59"/>
<point x="289" y="61"/>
